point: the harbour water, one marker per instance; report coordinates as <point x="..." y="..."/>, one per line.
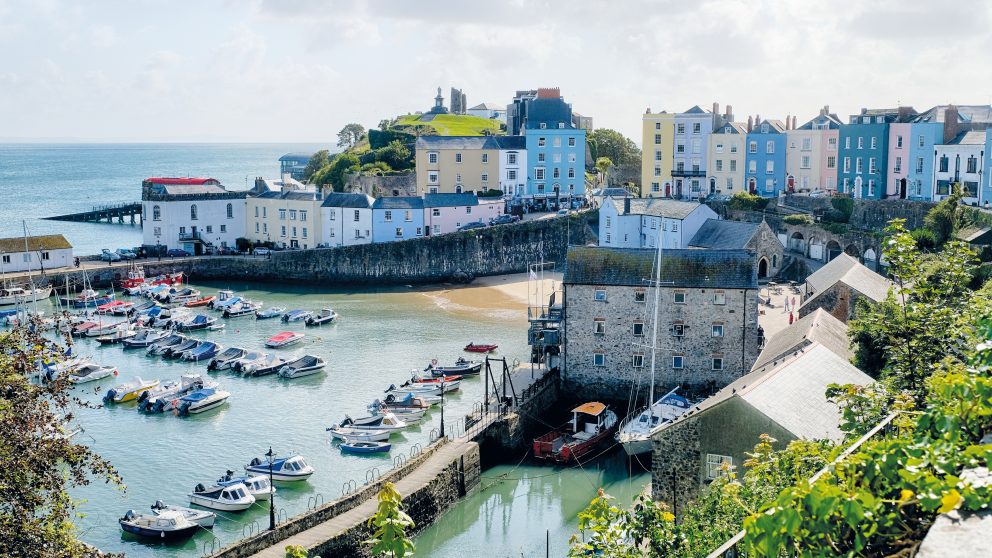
<point x="41" y="180"/>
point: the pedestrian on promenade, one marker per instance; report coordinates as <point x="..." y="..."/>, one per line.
<point x="790" y="318"/>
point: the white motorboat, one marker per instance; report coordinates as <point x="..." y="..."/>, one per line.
<point x="222" y="498"/>
<point x="257" y="485"/>
<point x="157" y="399"/>
<point x="226" y="358"/>
<point x="107" y="329"/>
<point x="164" y="525"/>
<point x="200" y="517"/>
<point x="145" y="337"/>
<point x="251" y="357"/>
<point x="166" y="343"/>
<point x="296" y="315"/>
<point x="117" y="337"/>
<point x="14" y="295"/>
<point x="385" y="421"/>
<point x="91" y="372"/>
<point x="358" y="434"/>
<point x="243" y="308"/>
<point x="269" y="364"/>
<point x="200" y="401"/>
<point x="635" y="432"/>
<point x="325" y="316"/>
<point x="224" y="299"/>
<point x="69" y="365"/>
<point x="292" y="468"/>
<point x="306" y="365"/>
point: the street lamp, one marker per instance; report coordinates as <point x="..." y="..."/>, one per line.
<point x="272" y="493"/>
<point x="442" y="405"/>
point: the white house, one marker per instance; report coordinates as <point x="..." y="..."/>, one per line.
<point x="512" y="164"/>
<point x="636" y="222"/>
<point x="43" y="252"/>
<point x="192" y="214"/>
<point x="961" y="161"/>
<point x="347" y="219"/>
<point x="488" y="110"/>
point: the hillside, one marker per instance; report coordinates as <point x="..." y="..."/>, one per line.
<point x="452" y="124"/>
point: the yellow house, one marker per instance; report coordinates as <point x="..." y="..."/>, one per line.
<point x="657" y="147"/>
<point x="456" y="164"/>
<point x="288" y="217"/>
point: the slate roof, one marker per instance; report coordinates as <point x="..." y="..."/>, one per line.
<point x="401" y="202"/>
<point x="834" y="123"/>
<point x="696" y="110"/>
<point x="969" y="138"/>
<point x="455" y="142"/>
<point x="792" y="394"/>
<point x="732" y="128"/>
<point x="817" y="327"/>
<point x="356" y="201"/>
<point x="851" y="272"/>
<point x="975" y="235"/>
<point x="550" y="111"/>
<point x="774" y="126"/>
<point x="966" y="114"/>
<point x="450" y="200"/>
<point x="294" y="195"/>
<point x="46" y="242"/>
<point x="718" y="269"/>
<point x="187" y="190"/>
<point x="724" y="235"/>
<point x="181" y="180"/>
<point x="509" y="142"/>
<point x="488" y="106"/>
<point x="658" y="207"/>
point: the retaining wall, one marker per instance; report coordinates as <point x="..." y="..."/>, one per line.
<point x="515" y="431"/>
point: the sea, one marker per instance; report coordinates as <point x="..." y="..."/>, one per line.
<point x="42" y="180"/>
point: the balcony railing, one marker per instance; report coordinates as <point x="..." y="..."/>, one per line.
<point x="190" y="236"/>
<point x="688" y="173"/>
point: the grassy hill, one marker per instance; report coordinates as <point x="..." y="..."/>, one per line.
<point x="453" y="124"/>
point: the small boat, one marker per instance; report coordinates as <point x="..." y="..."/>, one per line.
<point x="325" y="316"/>
<point x="292" y="468"/>
<point x="356" y="446"/>
<point x="257" y="485"/>
<point x="409" y="416"/>
<point x="88" y="298"/>
<point x="177" y="351"/>
<point x="123" y="309"/>
<point x="250" y="358"/>
<point x="155" y="400"/>
<point x="448" y="385"/>
<point x="304" y="366"/>
<point x="243" y="308"/>
<point x="109" y="307"/>
<point x="14" y="295"/>
<point x="226" y="358"/>
<point x="409" y="402"/>
<point x="164" y="525"/>
<point x="296" y="315"/>
<point x="216" y="327"/>
<point x="198" y="322"/>
<point x="462" y="367"/>
<point x="592" y="424"/>
<point x="420" y="391"/>
<point x="205" y="350"/>
<point x="129" y="391"/>
<point x="284" y="339"/>
<point x="108" y="329"/>
<point x="270" y="364"/>
<point x="222" y="498"/>
<point x="202" y="301"/>
<point x="483" y="348"/>
<point x="135" y="277"/>
<point x="118" y="336"/>
<point x="385" y="421"/>
<point x="179" y="296"/>
<point x="144" y="338"/>
<point x="635" y="431"/>
<point x="358" y="434"/>
<point x="81" y="328"/>
<point x="273" y="312"/>
<point x="202" y="518"/>
<point x="91" y="372"/>
<point x="166" y="343"/>
<point x="67" y="365"/>
<point x="200" y="401"/>
<point x="224" y="299"/>
<point x="434" y="380"/>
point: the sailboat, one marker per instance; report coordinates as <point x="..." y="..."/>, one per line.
<point x="635" y="431"/>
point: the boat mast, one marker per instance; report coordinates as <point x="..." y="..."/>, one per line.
<point x="34" y="293"/>
<point x="654" y="326"/>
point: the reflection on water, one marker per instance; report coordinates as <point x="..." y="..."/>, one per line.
<point x="527" y="509"/>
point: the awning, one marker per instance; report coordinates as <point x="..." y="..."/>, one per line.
<point x="593" y="408"/>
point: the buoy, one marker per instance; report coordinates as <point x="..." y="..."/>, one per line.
<point x="115" y="372"/>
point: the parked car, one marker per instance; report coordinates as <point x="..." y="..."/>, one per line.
<point x="227" y="251"/>
<point x="126" y="254"/>
<point x="108" y="256"/>
<point x="563" y="212"/>
<point x="503" y="220"/>
<point x="472" y="225"/>
<point x="177" y="253"/>
<point x="262" y="251"/>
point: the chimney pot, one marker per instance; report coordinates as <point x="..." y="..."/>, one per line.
<point x="750" y="123"/>
<point x="794" y="121"/>
<point x="788" y="121"/>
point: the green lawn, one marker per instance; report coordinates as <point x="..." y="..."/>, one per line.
<point x="453" y="124"/>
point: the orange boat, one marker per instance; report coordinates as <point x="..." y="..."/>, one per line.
<point x="199" y="302"/>
<point x="592" y="424"/>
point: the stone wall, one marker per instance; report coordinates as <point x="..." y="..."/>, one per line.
<point x="839" y="300"/>
<point x="515" y="431"/>
<point x="382" y="186"/>
<point x="874" y="215"/>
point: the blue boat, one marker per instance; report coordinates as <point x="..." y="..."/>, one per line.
<point x="205" y="350"/>
<point x="292" y="468"/>
<point x="296" y="315"/>
<point x="365" y="447"/>
<point x="198" y="322"/>
<point x="87" y="299"/>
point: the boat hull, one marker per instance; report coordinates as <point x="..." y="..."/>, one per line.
<point x="164" y="535"/>
<point x="213" y="504"/>
<point x="279" y="476"/>
<point x="636" y="445"/>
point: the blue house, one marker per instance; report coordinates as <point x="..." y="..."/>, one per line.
<point x="556" y="150"/>
<point x="987" y="181"/>
<point x="399" y="218"/>
<point x="864" y="151"/>
<point x="924" y="135"/>
<point x="764" y="158"/>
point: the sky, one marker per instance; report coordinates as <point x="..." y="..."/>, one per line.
<point x="299" y="70"/>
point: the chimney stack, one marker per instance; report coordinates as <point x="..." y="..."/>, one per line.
<point x="750" y="123"/>
<point x="757" y="120"/>
<point x="951" y="125"/>
<point x="794" y="117"/>
<point x="626" y="205"/>
<point x="648" y="111"/>
<point x="823" y="111"/>
<point x="788" y="122"/>
<point x="729" y="113"/>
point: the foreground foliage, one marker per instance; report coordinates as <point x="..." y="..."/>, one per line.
<point x="38" y="460"/>
<point x="391" y="523"/>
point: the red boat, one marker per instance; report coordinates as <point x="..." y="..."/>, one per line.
<point x="592" y="424"/>
<point x="109" y="307"/>
<point x="199" y="302"/>
<point x="473" y="348"/>
<point x="416" y="379"/>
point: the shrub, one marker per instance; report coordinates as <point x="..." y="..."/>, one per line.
<point x="836" y="228"/>
<point x="834" y="216"/>
<point x="925" y="238"/>
<point x="844" y="205"/>
<point x="748" y="202"/>
<point x="798" y="219"/>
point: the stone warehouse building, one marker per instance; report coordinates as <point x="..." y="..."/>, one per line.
<point x="708" y="333"/>
<point x="837" y="286"/>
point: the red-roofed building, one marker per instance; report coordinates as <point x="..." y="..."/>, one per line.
<point x="193" y="214"/>
<point x="181" y="181"/>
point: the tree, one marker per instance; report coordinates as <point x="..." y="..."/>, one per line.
<point x="38" y="460"/>
<point x="385" y="124"/>
<point x="391" y="523"/>
<point x="603" y="165"/>
<point x="614" y="146"/>
<point x="947" y="216"/>
<point x="396" y="154"/>
<point x="317" y="161"/>
<point x="350" y="135"/>
<point x="334" y="173"/>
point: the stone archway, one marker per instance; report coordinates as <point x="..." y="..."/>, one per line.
<point x="797" y="242"/>
<point x="853" y="250"/>
<point x="815" y="249"/>
<point x="871" y="259"/>
<point x="833" y="250"/>
<point x="762" y="268"/>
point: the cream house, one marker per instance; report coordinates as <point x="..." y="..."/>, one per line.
<point x="289" y="217"/>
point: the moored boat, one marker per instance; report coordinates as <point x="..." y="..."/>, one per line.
<point x="268" y="314"/>
<point x="177" y="351"/>
<point x="202" y="301"/>
<point x="325" y="316"/>
<point x="224" y="299"/>
<point x="292" y="468"/>
<point x="243" y="308"/>
<point x="116" y="337"/>
<point x="358" y="434"/>
<point x="296" y="315"/>
<point x="166" y="343"/>
<point x="165" y="525"/>
<point x="128" y="391"/>
<point x="200" y="401"/>
<point x="592" y="424"/>
<point x="385" y="421"/>
<point x="144" y="338"/>
<point x="461" y="367"/>
<point x="269" y="364"/>
<point x="257" y="485"/>
<point x="284" y="339"/>
<point x="251" y="357"/>
<point x="88" y="298"/>
<point x="635" y="432"/>
<point x="306" y="365"/>
<point x="202" y="518"/>
<point x="91" y="372"/>
<point x="15" y="295"/>
<point x="199" y="321"/>
<point x="222" y="498"/>
<point x="205" y="350"/>
<point x="226" y="358"/>
<point x="157" y="399"/>
<point x="357" y="446"/>
<point x="483" y="348"/>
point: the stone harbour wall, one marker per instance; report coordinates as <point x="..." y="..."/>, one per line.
<point x="675" y="463"/>
<point x="515" y="431"/>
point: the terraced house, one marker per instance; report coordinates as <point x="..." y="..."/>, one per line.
<point x="708" y="333"/>
<point x="658" y="139"/>
<point x="193" y="214"/>
<point x="285" y="213"/>
<point x="765" y="158"/>
<point x="727" y="146"/>
<point x="556" y="149"/>
<point x="812" y="152"/>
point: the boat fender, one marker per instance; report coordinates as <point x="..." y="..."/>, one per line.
<point x="199" y="488"/>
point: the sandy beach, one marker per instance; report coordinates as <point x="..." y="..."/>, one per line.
<point x="505" y="296"/>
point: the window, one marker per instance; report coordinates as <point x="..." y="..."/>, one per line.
<point x="432" y="157"/>
<point x="680" y="128"/>
<point x="388" y="216"/>
<point x="847" y="143"/>
<point x="717" y="363"/>
<point x="6" y="257"/>
<point x="356" y="215"/>
<point x="358" y="233"/>
<point x="304" y="232"/>
<point x="719" y="148"/>
<point x="637" y="361"/>
<point x="156" y="213"/>
<point x="485" y="177"/>
<point x="571" y="157"/>
<point x="898" y="165"/>
<point x="717" y="330"/>
<point x="675" y="227"/>
<point x="599" y="295"/>
<point x="640" y="295"/>
<point x="265" y="212"/>
<point x="678" y="330"/>
<point x="943" y="163"/>
<point x="657" y="139"/>
<point x="764" y="128"/>
<point x="858" y="167"/>
<point x="540" y="157"/>
<point x="485" y="157"/>
<point x="655" y="187"/>
<point x="45" y="255"/>
<point x="571" y="142"/>
<point x="871" y="165"/>
<point x="769" y="167"/>
<point x="733" y="165"/>
<point x="696" y="146"/>
<point x="680" y="148"/>
<point x="847" y="164"/>
<point x="257" y="227"/>
<point x="770" y="185"/>
<point x="192" y="212"/>
<point x="695" y="128"/>
<point x="752" y="166"/>
<point x="332" y="214"/>
<point x="540" y="142"/>
<point x="972" y="165"/>
<point x="283" y="231"/>
<point x="458" y="157"/>
<point x="807" y="144"/>
<point x="468" y="209"/>
<point x="638" y="329"/>
<point x="435" y="212"/>
<point x="832" y="144"/>
<point x="898" y="142"/>
<point x="599" y="326"/>
<point x="408" y="215"/>
<point x="539" y="173"/>
<point x="292" y="214"/>
<point x="571" y="172"/>
<point x="752" y="147"/>
<point x="556" y="141"/>
<point x="282" y="214"/>
<point x="657" y="171"/>
<point x="223" y="228"/>
<point x="420" y="231"/>
<point x="599" y="359"/>
<point x="804" y="162"/>
<point x="230" y="211"/>
<point x="543" y="125"/>
<point x="718" y="465"/>
<point x="511" y="158"/>
<point x="294" y="232"/>
<point x="730" y="181"/>
<point x="303" y="215"/>
<point x="511" y="174"/>
<point x="861" y="143"/>
<point x="657" y="125"/>
<point x="719" y="165"/>
<point x="556" y="173"/>
<point x="923" y="141"/>
<point x="719" y="297"/>
<point x="678" y="362"/>
<point x="210" y="229"/>
<point x="831" y="162"/>
<point x="874" y="142"/>
<point x="608" y="221"/>
<point x="919" y="164"/>
<point x="399" y="232"/>
<point x="265" y="227"/>
<point x="769" y="147"/>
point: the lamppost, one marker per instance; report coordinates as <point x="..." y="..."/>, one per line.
<point x="158" y="249"/>
<point x="442" y="405"/>
<point x="272" y="493"/>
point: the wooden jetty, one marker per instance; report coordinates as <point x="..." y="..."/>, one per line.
<point x="110" y="213"/>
